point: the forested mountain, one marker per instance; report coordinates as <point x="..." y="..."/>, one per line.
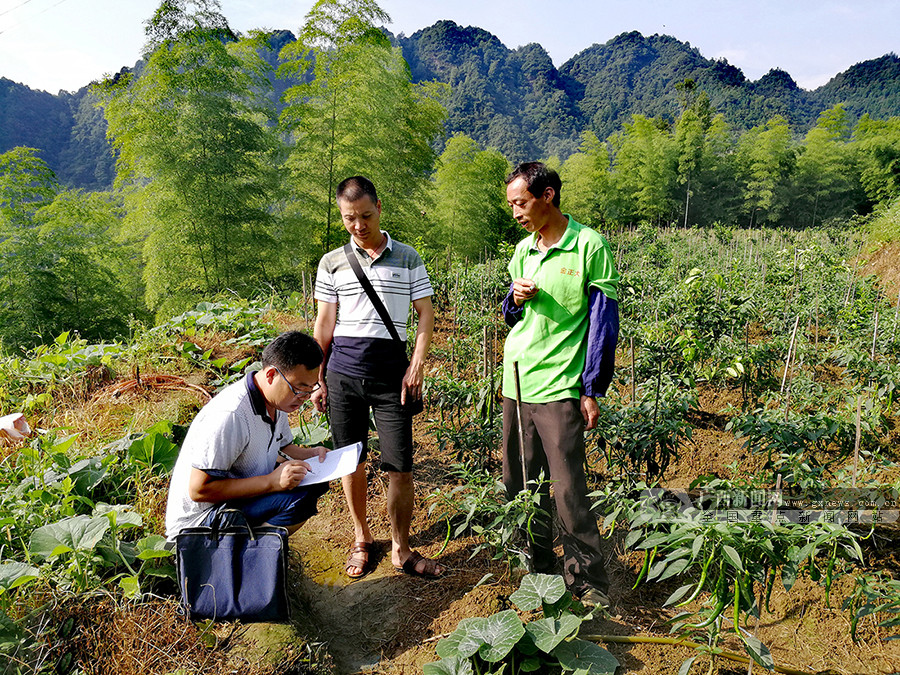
<point x="514" y="100"/>
<point x="67" y="128"/>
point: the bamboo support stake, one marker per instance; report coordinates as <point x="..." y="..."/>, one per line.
<point x="521" y="431"/>
<point x="776" y="500"/>
<point x="485" y="355"/>
<point x="858" y="435"/>
<point x="305" y="306"/>
<point x="817" y="321"/>
<point x="896" y="313"/>
<point x="875" y="336"/>
<point x="785" y="382"/>
<point x="633" y="385"/>
<point x="787" y="363"/>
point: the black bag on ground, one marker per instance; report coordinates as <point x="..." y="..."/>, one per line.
<point x="232" y="571"/>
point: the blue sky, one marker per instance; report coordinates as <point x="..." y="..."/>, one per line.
<point x="64" y="44"/>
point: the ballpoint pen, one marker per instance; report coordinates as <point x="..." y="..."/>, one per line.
<point x="286" y="456"/>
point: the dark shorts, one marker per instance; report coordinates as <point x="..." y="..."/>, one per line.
<point x="287" y="508"/>
<point x="349" y="401"/>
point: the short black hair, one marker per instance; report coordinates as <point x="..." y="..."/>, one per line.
<point x="538" y="177"/>
<point x="292" y="349"/>
<point x="356" y="187"/>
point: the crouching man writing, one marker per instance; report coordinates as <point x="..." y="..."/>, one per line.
<point x="239" y="452"/>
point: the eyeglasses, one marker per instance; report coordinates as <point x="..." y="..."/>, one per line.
<point x="297" y="392"/>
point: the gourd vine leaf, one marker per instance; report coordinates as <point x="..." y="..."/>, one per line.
<point x="15" y="574"/>
<point x="537" y="590"/>
<point x="451" y="666"/>
<point x="586" y="656"/>
<point x="500" y="634"/>
<point x="77" y="533"/>
<point x="548" y="633"/>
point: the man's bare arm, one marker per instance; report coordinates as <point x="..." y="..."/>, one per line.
<point x="415" y="374"/>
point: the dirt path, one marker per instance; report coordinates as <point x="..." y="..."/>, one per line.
<point x="387" y="616"/>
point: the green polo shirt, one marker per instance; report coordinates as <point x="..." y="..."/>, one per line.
<point x="550" y="340"/>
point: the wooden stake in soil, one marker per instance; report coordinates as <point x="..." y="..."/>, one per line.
<point x="875" y="336"/>
<point x="522" y="455"/>
<point x="785" y="383"/>
<point x="305" y="307"/>
<point x="858" y="435"/>
<point x="631" y="343"/>
<point x="896" y="313"/>
<point x="787" y="362"/>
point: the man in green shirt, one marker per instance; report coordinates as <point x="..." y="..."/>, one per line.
<point x="563" y="310"/>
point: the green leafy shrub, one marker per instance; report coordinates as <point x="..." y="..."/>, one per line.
<point x="503" y="643"/>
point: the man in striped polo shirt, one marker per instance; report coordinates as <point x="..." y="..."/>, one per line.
<point x="368" y="368"/>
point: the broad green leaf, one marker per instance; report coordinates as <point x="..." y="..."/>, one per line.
<point x="451" y="666"/>
<point x="537" y="590"/>
<point x="86" y="474"/>
<point x="153" y="546"/>
<point x="611" y="518"/>
<point x="758" y="652"/>
<point x="657" y="568"/>
<point x="733" y="557"/>
<point x="9" y="631"/>
<point x="154" y="451"/>
<point x="78" y="533"/>
<point x="120" y="515"/>
<point x="531" y="665"/>
<point x="63" y="444"/>
<point x="131" y="587"/>
<point x="547" y="633"/>
<point x="583" y="655"/>
<point x="464" y="641"/>
<point x="15" y="574"/>
<point x="312" y="433"/>
<point x="238" y="366"/>
<point x="500" y="633"/>
<point x="696" y="546"/>
<point x="164" y="571"/>
<point x="789" y="575"/>
<point x="632" y="538"/>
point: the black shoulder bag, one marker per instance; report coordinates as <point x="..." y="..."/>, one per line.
<point x="413" y="407"/>
<point x="229" y="570"/>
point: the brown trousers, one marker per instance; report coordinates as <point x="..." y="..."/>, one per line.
<point x="554" y="442"/>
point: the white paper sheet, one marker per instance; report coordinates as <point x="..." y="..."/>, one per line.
<point x="338" y="463"/>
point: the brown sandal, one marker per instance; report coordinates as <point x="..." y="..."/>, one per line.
<point x="428" y="572"/>
<point x="363" y="556"/>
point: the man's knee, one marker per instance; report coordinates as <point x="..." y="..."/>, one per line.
<point x="400" y="479"/>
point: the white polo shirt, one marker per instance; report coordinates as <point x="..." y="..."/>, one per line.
<point x="231" y="437"/>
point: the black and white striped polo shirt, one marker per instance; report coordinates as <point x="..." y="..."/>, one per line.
<point x="362" y="345"/>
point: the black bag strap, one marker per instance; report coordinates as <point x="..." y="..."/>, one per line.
<point x="373" y="296"/>
<point x="222" y="514"/>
